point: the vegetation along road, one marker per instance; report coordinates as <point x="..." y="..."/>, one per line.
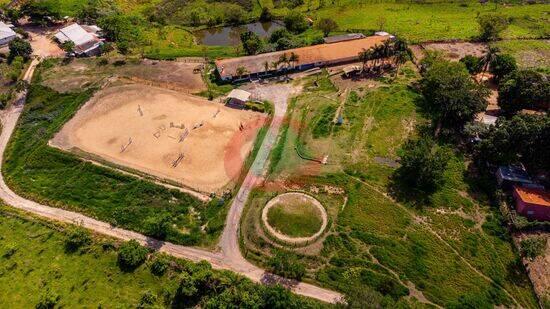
<point x="230" y="256"/>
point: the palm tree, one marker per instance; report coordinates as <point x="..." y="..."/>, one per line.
<point x="293" y="58"/>
<point x="400" y="58"/>
<point x="488" y="58"/>
<point x="241" y="71"/>
<point x="387" y="51"/>
<point x="365" y="56"/>
<point x="266" y="67"/>
<point x="283" y="59"/>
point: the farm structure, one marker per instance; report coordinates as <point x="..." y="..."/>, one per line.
<point x="237" y="98"/>
<point x="6" y="34"/>
<point x="262" y="65"/>
<point x="85" y="38"/>
<point x="186" y="140"/>
<point x="533" y="203"/>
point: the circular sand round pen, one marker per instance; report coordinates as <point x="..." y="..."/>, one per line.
<point x="294" y="218"/>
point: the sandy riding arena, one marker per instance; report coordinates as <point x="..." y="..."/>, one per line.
<point x="170" y="135"/>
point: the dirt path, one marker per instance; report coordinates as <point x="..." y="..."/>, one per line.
<point x="229" y="258"/>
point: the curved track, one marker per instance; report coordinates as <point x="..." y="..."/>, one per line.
<point x="229" y="257"/>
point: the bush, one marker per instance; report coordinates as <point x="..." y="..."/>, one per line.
<point x="286" y="265"/>
<point x="473" y="64"/>
<point x="158" y="226"/>
<point x="502" y="66"/>
<point x="147" y="300"/>
<point x="131" y="255"/>
<point x="48" y="300"/>
<point x="491" y="25"/>
<point x="76" y="239"/>
<point x="533" y="247"/>
<point x="19" y="47"/>
<point x="160" y="265"/>
<point x="295" y="22"/>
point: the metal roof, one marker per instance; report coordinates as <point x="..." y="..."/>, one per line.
<point x="76" y="34"/>
<point x="343" y="37"/>
<point x="6" y="31"/>
<point x="514" y="173"/>
<point x="239" y="94"/>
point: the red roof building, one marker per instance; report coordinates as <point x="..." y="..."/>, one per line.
<point x="532" y="203"/>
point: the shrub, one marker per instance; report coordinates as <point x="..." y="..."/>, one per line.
<point x="158" y="226"/>
<point x="473" y="64"/>
<point x="48" y="300"/>
<point x="295" y="22"/>
<point x="533" y="247"/>
<point x="160" y="265"/>
<point x="19" y="47"/>
<point x="147" y="300"/>
<point x="131" y="255"/>
<point x="502" y="66"/>
<point x="286" y="265"/>
<point x="76" y="239"/>
<point x="326" y="25"/>
<point x="491" y="25"/>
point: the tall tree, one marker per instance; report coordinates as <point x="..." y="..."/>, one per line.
<point x="451" y="97"/>
<point x="524" y="89"/>
<point x="19" y="47"/>
<point x="491" y="25"/>
<point x="423" y="164"/>
<point x="326" y="25"/>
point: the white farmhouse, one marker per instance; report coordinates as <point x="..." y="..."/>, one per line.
<point x="85" y="39"/>
<point x="6" y="34"/>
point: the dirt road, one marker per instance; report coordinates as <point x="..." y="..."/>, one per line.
<point x="229" y="258"/>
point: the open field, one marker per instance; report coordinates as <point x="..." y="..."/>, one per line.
<point x="34" y="262"/>
<point x="449" y="251"/>
<point x="294" y="216"/>
<point x="170" y="135"/>
<point x="528" y="53"/>
<point x="88" y="72"/>
<point x="45" y="174"/>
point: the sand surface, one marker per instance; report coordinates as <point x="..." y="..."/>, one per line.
<point x="144" y="128"/>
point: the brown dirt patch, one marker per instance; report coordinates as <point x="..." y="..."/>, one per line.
<point x="149" y="124"/>
<point x="81" y="73"/>
<point x="455" y="51"/>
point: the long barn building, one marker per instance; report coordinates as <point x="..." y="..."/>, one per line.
<point x="308" y="57"/>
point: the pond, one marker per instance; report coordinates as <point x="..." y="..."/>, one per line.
<point x="230" y="35"/>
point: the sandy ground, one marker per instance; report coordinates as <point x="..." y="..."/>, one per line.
<point x="82" y="72"/>
<point x="452" y="51"/>
<point x="144" y="128"/>
<point x="42" y="42"/>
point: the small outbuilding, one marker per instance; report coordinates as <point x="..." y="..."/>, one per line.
<point x="6" y="34"/>
<point x="533" y="203"/>
<point x="509" y="176"/>
<point x="237" y="98"/>
<point x="85" y="38"/>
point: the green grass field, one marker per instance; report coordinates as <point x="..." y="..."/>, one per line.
<point x="416" y="22"/>
<point x="37" y="171"/>
<point x="438" y="21"/>
<point x="452" y="249"/>
<point x="295" y="219"/>
<point x="33" y="260"/>
<point x="528" y="53"/>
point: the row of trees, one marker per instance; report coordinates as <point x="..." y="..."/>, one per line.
<point x="381" y="56"/>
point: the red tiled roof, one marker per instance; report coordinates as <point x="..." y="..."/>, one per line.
<point x="533" y="196"/>
<point x="306" y="55"/>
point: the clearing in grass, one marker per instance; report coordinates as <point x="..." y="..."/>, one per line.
<point x="295" y="216"/>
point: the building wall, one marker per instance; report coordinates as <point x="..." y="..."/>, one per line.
<point x="532" y="211"/>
